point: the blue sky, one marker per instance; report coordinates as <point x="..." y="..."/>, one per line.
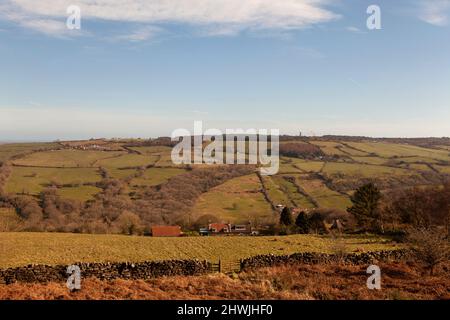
<point x="139" y="68"/>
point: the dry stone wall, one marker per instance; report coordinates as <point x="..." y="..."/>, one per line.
<point x="153" y="269"/>
<point x="106" y="271"/>
<point x="310" y="258"/>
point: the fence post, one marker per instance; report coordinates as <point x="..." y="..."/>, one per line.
<point x="220" y="266"/>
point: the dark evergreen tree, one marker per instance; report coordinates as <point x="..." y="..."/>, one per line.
<point x="286" y="217"/>
<point x="365" y="203"/>
<point x="302" y="223"/>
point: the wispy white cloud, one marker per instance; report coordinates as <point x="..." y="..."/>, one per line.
<point x="140" y="34"/>
<point x="355" y="30"/>
<point x="435" y="12"/>
<point x="42" y="23"/>
<point x="216" y="17"/>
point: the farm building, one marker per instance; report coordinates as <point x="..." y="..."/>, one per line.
<point x="216" y="229"/>
<point x="166" y="231"/>
<point x="219" y="227"/>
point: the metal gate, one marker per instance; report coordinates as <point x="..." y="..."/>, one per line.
<point x="226" y="266"/>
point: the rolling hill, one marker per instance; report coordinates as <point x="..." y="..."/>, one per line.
<point x="139" y="175"/>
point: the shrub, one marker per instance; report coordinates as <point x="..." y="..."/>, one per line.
<point x="430" y="246"/>
<point x="129" y="223"/>
<point x="302" y="223"/>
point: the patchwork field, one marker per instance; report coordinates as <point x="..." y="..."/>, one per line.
<point x="321" y="181"/>
<point x="30" y="180"/>
<point x="308" y="166"/>
<point x="18" y="249"/>
<point x="325" y="197"/>
<point x="237" y="201"/>
<point x="127" y="161"/>
<point x="330" y="147"/>
<point x="389" y="150"/>
<point x="156" y="176"/>
<point x="7" y="151"/>
<point x="81" y="193"/>
<point x="65" y="158"/>
<point x="350" y="169"/>
<point x="290" y="189"/>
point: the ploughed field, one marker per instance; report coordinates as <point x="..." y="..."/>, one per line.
<point x="322" y="181"/>
<point x="23" y="248"/>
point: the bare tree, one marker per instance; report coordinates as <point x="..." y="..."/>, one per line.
<point x="430" y="246"/>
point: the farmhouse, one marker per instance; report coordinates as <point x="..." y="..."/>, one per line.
<point x="216" y="229"/>
<point x="166" y="231"/>
<point x="219" y="228"/>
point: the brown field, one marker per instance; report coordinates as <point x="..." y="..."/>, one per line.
<point x="295" y="282"/>
<point x="23" y="248"/>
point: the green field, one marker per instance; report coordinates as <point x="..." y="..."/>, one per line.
<point x="31" y="180"/>
<point x="152" y="150"/>
<point x="295" y="198"/>
<point x="156" y="176"/>
<point x="276" y="193"/>
<point x="370" y="160"/>
<point x="65" y="158"/>
<point x="307" y="166"/>
<point x="323" y="195"/>
<point x="81" y="193"/>
<point x="127" y="161"/>
<point x="238" y="201"/>
<point x="13" y="149"/>
<point x="117" y="173"/>
<point x="287" y="166"/>
<point x="19" y="249"/>
<point x="330" y="147"/>
<point x="389" y="150"/>
<point x="350" y="169"/>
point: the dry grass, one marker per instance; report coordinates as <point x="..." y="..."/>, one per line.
<point x="22" y="248"/>
<point x="295" y="282"/>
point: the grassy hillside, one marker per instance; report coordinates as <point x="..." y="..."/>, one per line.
<point x="30" y="180"/>
<point x="19" y="249"/>
<point x="10" y="150"/>
<point x="238" y="201"/>
<point x="324" y="181"/>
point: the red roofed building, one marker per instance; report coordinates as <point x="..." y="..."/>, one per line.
<point x="219" y="227"/>
<point x="166" y="231"/>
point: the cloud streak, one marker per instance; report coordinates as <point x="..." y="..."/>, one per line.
<point x="220" y="17"/>
<point x="435" y="12"/>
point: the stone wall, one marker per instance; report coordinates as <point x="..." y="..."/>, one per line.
<point x="310" y="258"/>
<point x="106" y="271"/>
<point x="153" y="269"/>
